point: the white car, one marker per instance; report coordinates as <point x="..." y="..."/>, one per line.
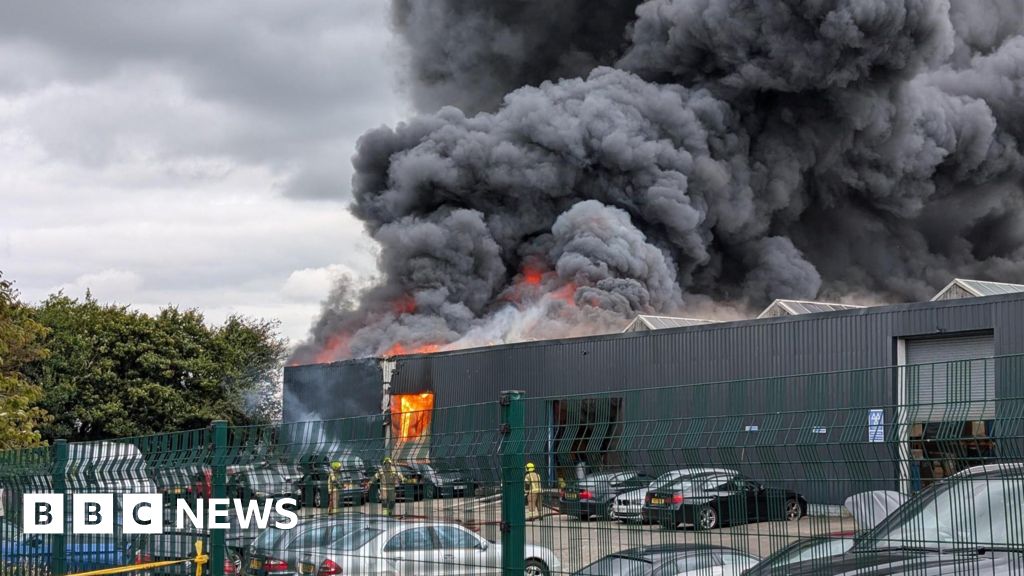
<point x="627" y="507"/>
<point x="398" y="548"/>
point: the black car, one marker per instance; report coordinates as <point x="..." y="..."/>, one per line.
<point x="715" y="499"/>
<point x="439" y="483"/>
<point x="594" y="495"/>
<point x="671" y="560"/>
<point x="314" y="475"/>
<point x="968" y="523"/>
<point x="262" y="482"/>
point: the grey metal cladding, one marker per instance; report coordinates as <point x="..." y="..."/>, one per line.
<point x="749" y="349"/>
<point x="328" y="391"/>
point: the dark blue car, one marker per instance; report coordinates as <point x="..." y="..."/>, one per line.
<point x="83" y="551"/>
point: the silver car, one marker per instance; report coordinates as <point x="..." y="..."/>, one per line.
<point x="969" y="523"/>
<point x="397" y="548"/>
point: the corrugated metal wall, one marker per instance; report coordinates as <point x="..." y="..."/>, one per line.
<point x="751" y="352"/>
<point x="329" y="391"/>
<point x="845" y="340"/>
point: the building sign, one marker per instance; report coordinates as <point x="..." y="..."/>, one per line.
<point x="876" y="425"/>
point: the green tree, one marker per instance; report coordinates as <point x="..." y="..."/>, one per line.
<point x="21" y="340"/>
<point x="116" y="372"/>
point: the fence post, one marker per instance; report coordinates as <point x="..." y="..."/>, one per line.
<point x="218" y="485"/>
<point x="59" y="549"/>
<point x="513" y="500"/>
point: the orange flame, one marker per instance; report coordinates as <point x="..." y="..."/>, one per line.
<point x="566" y="294"/>
<point x="335" y="348"/>
<point x="410" y="415"/>
<point x="404" y="305"/>
<point x="532" y="276"/>
<point x="399" y="349"/>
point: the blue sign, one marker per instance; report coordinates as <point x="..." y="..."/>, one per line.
<point x="876" y="425"/>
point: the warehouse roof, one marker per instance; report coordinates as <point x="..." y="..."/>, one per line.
<point x="645" y="322"/>
<point x="797" y="307"/>
<point x="964" y="288"/>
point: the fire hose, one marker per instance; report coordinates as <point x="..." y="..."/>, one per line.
<point x="200" y="559"/>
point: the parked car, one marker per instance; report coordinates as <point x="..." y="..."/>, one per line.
<point x="314" y="472"/>
<point x="395" y="548"/>
<point x="593" y="496"/>
<point x="814" y="548"/>
<point x="276" y="551"/>
<point x="83" y="552"/>
<point x="435" y="483"/>
<point x="868" y="509"/>
<point x="715" y="499"/>
<point x="968" y="523"/>
<point x="174" y="481"/>
<point x="628" y="506"/>
<point x="173" y="544"/>
<point x="672" y="560"/>
<point x="261" y="482"/>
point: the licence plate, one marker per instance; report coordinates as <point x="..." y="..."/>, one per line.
<point x="657" y="501"/>
<point x="572" y="496"/>
<point x="255" y="564"/>
<point x="458" y="487"/>
<point x="348" y="486"/>
<point x="306" y="568"/>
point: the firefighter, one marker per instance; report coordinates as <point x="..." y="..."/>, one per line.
<point x="532" y="487"/>
<point x="388" y="478"/>
<point x="333" y="480"/>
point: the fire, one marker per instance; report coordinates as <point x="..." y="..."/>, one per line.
<point x="566" y="294"/>
<point x="410" y="415"/>
<point x="335" y="348"/>
<point x="399" y="349"/>
<point x="404" y="305"/>
<point x="532" y="276"/>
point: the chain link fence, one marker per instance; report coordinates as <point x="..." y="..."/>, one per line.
<point x="822" y="478"/>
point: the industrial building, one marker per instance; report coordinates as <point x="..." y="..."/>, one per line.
<point x="765" y="367"/>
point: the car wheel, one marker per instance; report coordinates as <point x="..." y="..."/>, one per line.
<point x="535" y="567"/>
<point x="707" y="518"/>
<point x="430" y="492"/>
<point x="236" y="560"/>
<point x="794" y="510"/>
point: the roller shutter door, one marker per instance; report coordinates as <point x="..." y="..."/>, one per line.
<point x="951" y="379"/>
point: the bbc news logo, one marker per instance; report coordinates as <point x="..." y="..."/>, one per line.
<point x="143" y="513"/>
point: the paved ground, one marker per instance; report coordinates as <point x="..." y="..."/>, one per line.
<point x="578" y="543"/>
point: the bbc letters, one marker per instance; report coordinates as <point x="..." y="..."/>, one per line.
<point x="143" y="513"/>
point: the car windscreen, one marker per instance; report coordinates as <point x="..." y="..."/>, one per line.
<point x="618" y="566"/>
<point x="806" y="550"/>
<point x="971" y="513"/>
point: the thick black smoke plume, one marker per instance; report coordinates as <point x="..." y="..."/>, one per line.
<point x="669" y="152"/>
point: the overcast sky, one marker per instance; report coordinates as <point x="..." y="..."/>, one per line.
<point x="189" y="153"/>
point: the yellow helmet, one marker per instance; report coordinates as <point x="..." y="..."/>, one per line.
<point x="336" y="465"/>
<point x="387" y="459"/>
<point x="529" y="466"/>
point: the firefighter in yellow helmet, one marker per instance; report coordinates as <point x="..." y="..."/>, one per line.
<point x="388" y="479"/>
<point x="532" y="486"/>
<point x="333" y="480"/>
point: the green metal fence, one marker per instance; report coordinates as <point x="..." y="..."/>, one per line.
<point x="914" y="468"/>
